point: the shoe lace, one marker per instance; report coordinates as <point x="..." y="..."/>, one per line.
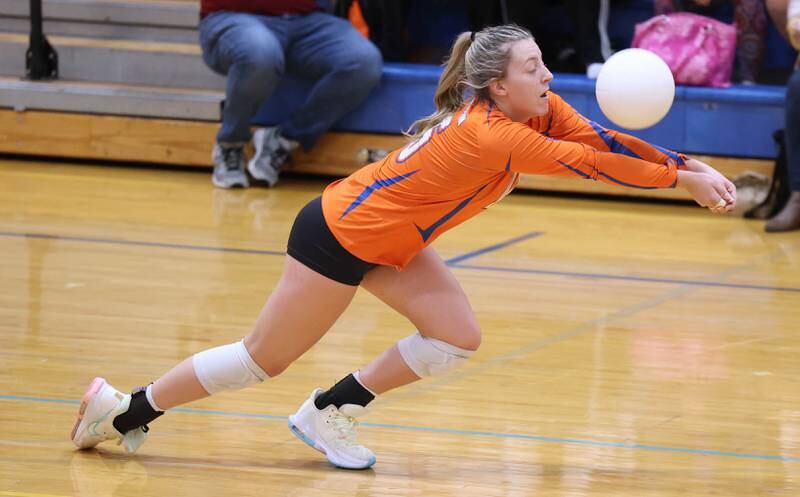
<point x="345" y="427"/>
<point x="232" y="157"/>
<point x="280" y="154"/>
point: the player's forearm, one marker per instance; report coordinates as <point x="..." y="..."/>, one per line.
<point x="648" y="151"/>
<point x="698" y="166"/>
<point x="685" y="179"/>
<point x="627" y="171"/>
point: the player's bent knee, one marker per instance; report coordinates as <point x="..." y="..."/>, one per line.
<point x="229" y="367"/>
<point x="465" y="335"/>
<point x="431" y="357"/>
<point x="274" y="368"/>
<point x="470" y="337"/>
<point x="273" y="361"/>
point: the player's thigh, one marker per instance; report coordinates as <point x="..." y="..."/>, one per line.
<point x="290" y="322"/>
<point x="428" y="294"/>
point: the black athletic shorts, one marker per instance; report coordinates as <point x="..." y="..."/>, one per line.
<point x="312" y="243"/>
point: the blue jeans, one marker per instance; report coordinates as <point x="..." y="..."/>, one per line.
<point x="255" y="52"/>
<point x="792" y="132"/>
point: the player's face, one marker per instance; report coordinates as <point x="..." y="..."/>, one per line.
<point x="527" y="80"/>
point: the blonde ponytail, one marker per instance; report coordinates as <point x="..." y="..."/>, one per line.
<point x="449" y="94"/>
<point x="474" y="61"/>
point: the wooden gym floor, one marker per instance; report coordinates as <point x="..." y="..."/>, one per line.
<point x="630" y="349"/>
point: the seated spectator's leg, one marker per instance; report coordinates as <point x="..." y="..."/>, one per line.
<point x="344" y="65"/>
<point x="248" y="49"/>
<point x="789" y="217"/>
<point x="751" y="33"/>
<point x="793" y="130"/>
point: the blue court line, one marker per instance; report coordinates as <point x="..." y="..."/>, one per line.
<point x="584" y="328"/>
<point x="112" y="241"/>
<point x="602" y="276"/>
<point x="453" y="261"/>
<point x="468" y="433"/>
<point x="537" y="345"/>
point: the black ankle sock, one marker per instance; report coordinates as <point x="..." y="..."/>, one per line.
<point x="347" y="391"/>
<point x="139" y="413"/>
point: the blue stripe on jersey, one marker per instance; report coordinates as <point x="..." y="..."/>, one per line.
<point x="508" y="164"/>
<point x="575" y="170"/>
<point x="377" y="185"/>
<point x="669" y="153"/>
<point x="615" y="180"/>
<point x="427" y="232"/>
<point x="613" y="145"/>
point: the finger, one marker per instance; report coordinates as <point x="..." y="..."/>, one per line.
<point x="723" y="207"/>
<point x="731" y="205"/>
<point x="715" y="207"/>
<point x="722" y="190"/>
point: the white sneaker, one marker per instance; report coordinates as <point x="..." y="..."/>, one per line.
<point x="332" y="431"/>
<point x="228" y="167"/>
<point x="270" y="154"/>
<point x="99" y="406"/>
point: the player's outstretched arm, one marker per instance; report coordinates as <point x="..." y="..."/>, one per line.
<point x="567" y="124"/>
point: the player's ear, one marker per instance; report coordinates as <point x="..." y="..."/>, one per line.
<point x="497" y="88"/>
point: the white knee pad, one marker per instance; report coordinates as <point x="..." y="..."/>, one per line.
<point x="228" y="367"/>
<point x="431" y="357"/>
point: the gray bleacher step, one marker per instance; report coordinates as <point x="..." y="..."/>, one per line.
<point x="102" y="30"/>
<point x="92" y="98"/>
<point x="172" y="65"/>
<point x="152" y="13"/>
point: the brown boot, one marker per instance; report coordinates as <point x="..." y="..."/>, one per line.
<point x="788" y="218"/>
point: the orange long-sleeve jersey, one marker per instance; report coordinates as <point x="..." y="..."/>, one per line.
<point x="388" y="211"/>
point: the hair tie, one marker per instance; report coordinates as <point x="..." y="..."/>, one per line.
<point x="472" y="36"/>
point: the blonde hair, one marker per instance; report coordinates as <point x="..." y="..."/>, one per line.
<point x="474" y="61"/>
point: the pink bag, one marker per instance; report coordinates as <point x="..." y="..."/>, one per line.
<point x="699" y="50"/>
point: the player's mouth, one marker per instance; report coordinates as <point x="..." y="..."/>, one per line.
<point x="544" y="95"/>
